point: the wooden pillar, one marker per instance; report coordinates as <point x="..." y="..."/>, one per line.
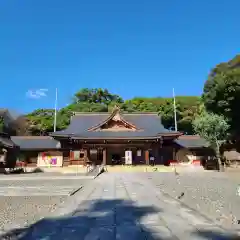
<point x="71" y="156"/>
<point x="86" y="159"/>
<point x="147" y="157"/>
<point x="104" y="156"/>
<point x="174" y="153"/>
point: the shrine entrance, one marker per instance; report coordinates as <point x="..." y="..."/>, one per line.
<point x="96" y="156"/>
<point x="116" y="159"/>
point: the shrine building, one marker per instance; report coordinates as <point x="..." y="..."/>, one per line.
<point x="115" y="138"/>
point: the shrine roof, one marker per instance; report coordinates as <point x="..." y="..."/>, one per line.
<point x="192" y="141"/>
<point x="144" y="125"/>
<point x="7" y="142"/>
<point x="35" y="142"/>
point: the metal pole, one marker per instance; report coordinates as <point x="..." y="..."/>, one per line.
<point x="175" y="111"/>
<point x="55" y="112"/>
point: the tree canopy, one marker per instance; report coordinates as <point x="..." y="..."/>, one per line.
<point x="40" y="121"/>
<point x="213" y="128"/>
<point x="221" y="93"/>
<point x="18" y="126"/>
<point x="221" y="96"/>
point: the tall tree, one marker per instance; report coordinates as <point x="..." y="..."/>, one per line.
<point x="96" y="95"/>
<point x="221" y="94"/>
<point x="1" y="124"/>
<point x="101" y="100"/>
<point x="213" y="128"/>
<point x="17" y="126"/>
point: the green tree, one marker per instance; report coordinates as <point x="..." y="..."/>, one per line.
<point x="213" y="128"/>
<point x="1" y="124"/>
<point x="40" y="121"/>
<point x="86" y="107"/>
<point x="18" y="126"/>
<point x="186" y="107"/>
<point x="96" y="95"/>
<point x="221" y="94"/>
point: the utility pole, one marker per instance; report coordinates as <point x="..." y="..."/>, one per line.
<point x="175" y="111"/>
<point x="55" y="111"/>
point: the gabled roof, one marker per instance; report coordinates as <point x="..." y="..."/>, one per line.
<point x="35" y="142"/>
<point x="147" y="125"/>
<point x="115" y="116"/>
<point x="7" y="116"/>
<point x="6" y="142"/>
<point x="192" y="141"/>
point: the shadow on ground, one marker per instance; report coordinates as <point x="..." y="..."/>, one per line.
<point x="102" y="219"/>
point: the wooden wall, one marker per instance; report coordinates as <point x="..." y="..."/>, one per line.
<point x="79" y="154"/>
<point x="30" y="158"/>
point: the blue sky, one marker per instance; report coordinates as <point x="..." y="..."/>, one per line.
<point x="131" y="47"/>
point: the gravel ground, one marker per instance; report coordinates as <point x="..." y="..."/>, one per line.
<point x="26" y="210"/>
<point x="214" y="194"/>
<point x="49" y="174"/>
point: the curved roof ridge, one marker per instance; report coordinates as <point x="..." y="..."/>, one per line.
<point x="110" y="113"/>
<point x="114" y="113"/>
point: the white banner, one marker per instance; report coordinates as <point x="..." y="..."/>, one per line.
<point x="128" y="157"/>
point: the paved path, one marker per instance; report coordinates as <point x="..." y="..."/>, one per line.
<point x="123" y="206"/>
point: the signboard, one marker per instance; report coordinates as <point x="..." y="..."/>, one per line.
<point x="93" y="151"/>
<point x="46" y="159"/>
<point x="128" y="157"/>
<point x="139" y="153"/>
<point x="151" y="158"/>
<point x="76" y="154"/>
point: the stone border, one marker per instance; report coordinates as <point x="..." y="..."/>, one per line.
<point x="74" y="191"/>
<point x="101" y="171"/>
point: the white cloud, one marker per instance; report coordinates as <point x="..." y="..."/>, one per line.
<point x="36" y="94"/>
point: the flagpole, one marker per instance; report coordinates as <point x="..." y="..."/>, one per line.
<point x="175" y="111"/>
<point x="55" y="111"/>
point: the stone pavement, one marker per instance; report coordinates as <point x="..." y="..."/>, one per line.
<point x="122" y="206"/>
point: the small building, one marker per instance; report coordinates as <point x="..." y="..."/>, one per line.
<point x="41" y="151"/>
<point x="117" y="138"/>
<point x="192" y="149"/>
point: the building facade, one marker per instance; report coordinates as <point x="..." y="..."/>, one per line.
<point x="105" y="139"/>
<point x="112" y="139"/>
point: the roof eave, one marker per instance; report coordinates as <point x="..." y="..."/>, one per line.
<point x="191" y="146"/>
<point x="158" y="136"/>
<point x="113" y="138"/>
<point x="60" y="135"/>
<point x="170" y="134"/>
<point x="39" y="149"/>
